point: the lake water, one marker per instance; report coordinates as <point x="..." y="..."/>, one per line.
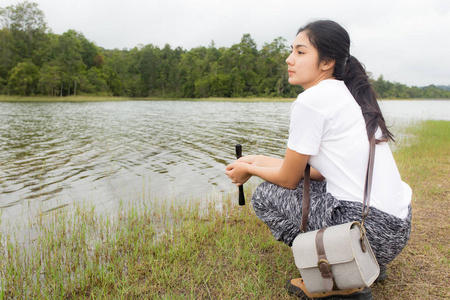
<point x="55" y="154"/>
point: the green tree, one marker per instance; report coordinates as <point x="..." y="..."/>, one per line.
<point x="132" y="77"/>
<point x="248" y="71"/>
<point x="114" y="81"/>
<point x="96" y="82"/>
<point x="70" y="61"/>
<point x="27" y="24"/>
<point x="8" y="57"/>
<point x="90" y="53"/>
<point x="221" y="85"/>
<point x="192" y="68"/>
<point x="272" y="65"/>
<point x="116" y="68"/>
<point x="23" y="79"/>
<point x="381" y="87"/>
<point x="50" y="80"/>
<point x="148" y="68"/>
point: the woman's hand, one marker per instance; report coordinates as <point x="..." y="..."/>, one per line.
<point x="238" y="171"/>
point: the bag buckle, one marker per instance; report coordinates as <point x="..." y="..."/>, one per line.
<point x="327" y="276"/>
<point x="324" y="261"/>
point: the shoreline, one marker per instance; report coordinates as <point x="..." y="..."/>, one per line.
<point x="87" y="98"/>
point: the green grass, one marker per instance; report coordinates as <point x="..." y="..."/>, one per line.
<point x="422" y="270"/>
<point x="216" y="249"/>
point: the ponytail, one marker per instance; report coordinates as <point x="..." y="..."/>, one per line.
<point x="357" y="81"/>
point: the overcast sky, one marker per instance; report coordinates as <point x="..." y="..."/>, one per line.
<point x="407" y="41"/>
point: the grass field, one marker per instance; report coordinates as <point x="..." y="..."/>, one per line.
<point x="218" y="250"/>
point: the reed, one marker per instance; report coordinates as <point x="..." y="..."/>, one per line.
<point x="213" y="248"/>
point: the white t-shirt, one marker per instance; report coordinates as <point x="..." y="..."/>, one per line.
<point x="327" y="124"/>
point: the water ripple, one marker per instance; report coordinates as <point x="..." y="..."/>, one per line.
<point x="60" y="153"/>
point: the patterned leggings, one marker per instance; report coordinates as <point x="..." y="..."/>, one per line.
<point x="281" y="210"/>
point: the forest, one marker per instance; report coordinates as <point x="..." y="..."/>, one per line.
<point x="36" y="62"/>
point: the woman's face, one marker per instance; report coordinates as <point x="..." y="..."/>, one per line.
<point x="303" y="63"/>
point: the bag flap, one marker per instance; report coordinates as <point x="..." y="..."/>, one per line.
<point x="337" y="243"/>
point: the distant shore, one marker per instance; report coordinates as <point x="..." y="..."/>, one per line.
<point x="5" y="98"/>
<point x="87" y="98"/>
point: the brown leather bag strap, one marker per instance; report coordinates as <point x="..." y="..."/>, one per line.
<point x="368" y="184"/>
<point x="305" y="204"/>
<point x="367" y="188"/>
<point x="323" y="264"/>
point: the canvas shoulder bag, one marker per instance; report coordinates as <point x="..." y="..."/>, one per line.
<point x="336" y="257"/>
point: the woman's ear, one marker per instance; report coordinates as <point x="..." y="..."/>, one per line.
<point x="327" y="64"/>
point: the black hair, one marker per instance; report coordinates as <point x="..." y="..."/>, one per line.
<point x="332" y="42"/>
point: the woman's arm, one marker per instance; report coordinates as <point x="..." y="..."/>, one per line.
<point x="287" y="175"/>
<point x="267" y="161"/>
<point x="262" y="160"/>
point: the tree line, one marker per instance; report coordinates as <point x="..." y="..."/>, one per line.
<point x="35" y="61"/>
